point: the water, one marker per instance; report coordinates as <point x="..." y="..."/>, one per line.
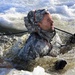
<point x="12" y="16"/>
<point x="11" y="44"/>
<point x="12" y="12"/>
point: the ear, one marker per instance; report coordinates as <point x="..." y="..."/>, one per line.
<point x="39" y="23"/>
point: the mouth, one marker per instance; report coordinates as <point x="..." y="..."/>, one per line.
<point x="52" y="27"/>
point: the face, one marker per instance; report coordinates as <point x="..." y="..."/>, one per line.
<point x="47" y="23"/>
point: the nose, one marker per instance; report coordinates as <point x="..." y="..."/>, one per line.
<point x="52" y="21"/>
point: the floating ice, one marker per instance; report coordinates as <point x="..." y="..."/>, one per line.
<point x="38" y="71"/>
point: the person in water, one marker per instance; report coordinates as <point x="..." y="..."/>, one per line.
<point x="41" y="28"/>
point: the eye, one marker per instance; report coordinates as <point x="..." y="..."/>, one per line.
<point x="48" y="20"/>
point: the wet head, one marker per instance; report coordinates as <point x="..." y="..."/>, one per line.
<point x="47" y="22"/>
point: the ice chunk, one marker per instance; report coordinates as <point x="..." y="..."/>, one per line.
<point x="38" y="71"/>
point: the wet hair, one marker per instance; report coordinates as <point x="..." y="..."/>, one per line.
<point x="33" y="18"/>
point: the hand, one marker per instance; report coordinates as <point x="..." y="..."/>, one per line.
<point x="72" y="39"/>
<point x="60" y="64"/>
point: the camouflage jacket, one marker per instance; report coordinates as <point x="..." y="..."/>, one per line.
<point x="36" y="46"/>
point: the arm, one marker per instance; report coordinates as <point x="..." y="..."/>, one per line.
<point x="69" y="44"/>
<point x="34" y="47"/>
<point x="27" y="52"/>
<point x="62" y="43"/>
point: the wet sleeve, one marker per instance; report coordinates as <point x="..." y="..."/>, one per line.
<point x="57" y="42"/>
<point x="60" y="44"/>
<point x="66" y="45"/>
<point x="27" y="52"/>
<point x="35" y="47"/>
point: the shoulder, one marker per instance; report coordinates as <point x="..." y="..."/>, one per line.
<point x="33" y="37"/>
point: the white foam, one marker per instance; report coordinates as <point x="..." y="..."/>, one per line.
<point x="5" y="22"/>
<point x="38" y="71"/>
<point x="13" y="12"/>
<point x="60" y="7"/>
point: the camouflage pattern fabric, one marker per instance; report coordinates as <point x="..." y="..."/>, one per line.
<point x="33" y="18"/>
<point x="31" y="22"/>
<point x="35" y="47"/>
